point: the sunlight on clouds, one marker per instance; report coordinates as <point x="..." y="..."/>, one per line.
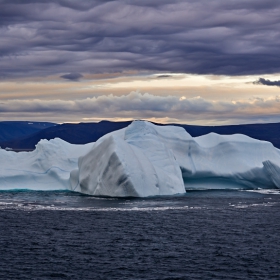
<point x="137" y="105"/>
<point x="162" y="97"/>
<point x="213" y="87"/>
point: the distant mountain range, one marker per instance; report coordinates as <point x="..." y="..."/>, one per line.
<point x="80" y="133"/>
<point x="25" y="135"/>
<point x="11" y="130"/>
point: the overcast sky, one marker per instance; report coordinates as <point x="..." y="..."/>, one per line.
<point x="203" y="62"/>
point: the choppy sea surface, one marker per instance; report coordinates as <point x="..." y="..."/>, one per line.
<point x="199" y="235"/>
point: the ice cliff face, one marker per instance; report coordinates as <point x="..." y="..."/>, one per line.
<point x="131" y="162"/>
<point x="144" y="160"/>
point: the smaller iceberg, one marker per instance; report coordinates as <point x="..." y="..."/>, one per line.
<point x="46" y="168"/>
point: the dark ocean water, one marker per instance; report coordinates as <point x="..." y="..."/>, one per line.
<point x="200" y="235"/>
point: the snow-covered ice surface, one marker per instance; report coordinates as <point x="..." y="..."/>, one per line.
<point x="144" y="160"/>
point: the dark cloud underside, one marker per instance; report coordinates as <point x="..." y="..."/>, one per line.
<point x="41" y="38"/>
<point x="72" y="76"/>
<point x="164" y="76"/>
<point x="262" y="81"/>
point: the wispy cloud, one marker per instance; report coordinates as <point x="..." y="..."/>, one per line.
<point x="164" y="76"/>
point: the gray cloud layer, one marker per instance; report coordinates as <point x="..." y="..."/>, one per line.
<point x="137" y="105"/>
<point x="56" y="37"/>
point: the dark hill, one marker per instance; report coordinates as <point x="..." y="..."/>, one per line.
<point x="81" y="133"/>
<point x="89" y="132"/>
<point x="10" y="130"/>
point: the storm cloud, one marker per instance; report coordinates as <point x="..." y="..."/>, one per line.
<point x="266" y="82"/>
<point x="49" y="37"/>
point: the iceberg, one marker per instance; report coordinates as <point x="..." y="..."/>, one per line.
<point x="146" y="160"/>
<point x="143" y="160"/>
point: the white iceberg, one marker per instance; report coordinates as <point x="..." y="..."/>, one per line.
<point x="144" y="160"/>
